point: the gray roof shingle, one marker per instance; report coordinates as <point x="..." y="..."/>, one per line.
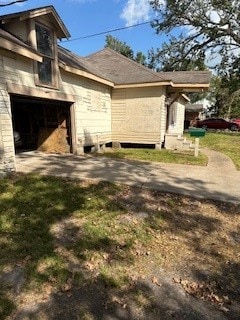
<point x="187" y="77"/>
<point x="75" y="61"/>
<point x="112" y="66"/>
<point x="122" y="70"/>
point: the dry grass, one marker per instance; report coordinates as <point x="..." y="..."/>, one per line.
<point x="63" y="242"/>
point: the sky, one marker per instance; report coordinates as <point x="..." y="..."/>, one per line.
<point x="84" y="18"/>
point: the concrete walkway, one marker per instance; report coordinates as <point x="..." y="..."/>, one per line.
<point x="219" y="180"/>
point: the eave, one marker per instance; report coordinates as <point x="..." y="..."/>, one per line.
<point x="188" y="87"/>
<point x="85" y="75"/>
<point x="140" y="85"/>
<point x="61" y="30"/>
<point x="13" y="47"/>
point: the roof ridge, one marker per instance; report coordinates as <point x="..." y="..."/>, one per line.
<point x="186" y="71"/>
<point x="25" y="11"/>
<point x="139" y="65"/>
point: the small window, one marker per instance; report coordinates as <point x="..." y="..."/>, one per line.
<point x="45" y="46"/>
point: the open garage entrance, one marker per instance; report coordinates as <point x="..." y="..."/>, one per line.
<point x="43" y="125"/>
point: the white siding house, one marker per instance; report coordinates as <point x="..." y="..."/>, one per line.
<point x="61" y="102"/>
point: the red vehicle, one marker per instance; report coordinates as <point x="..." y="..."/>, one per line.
<point x="237" y="121"/>
<point x="217" y="123"/>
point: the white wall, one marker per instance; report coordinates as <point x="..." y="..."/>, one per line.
<point x="137" y="115"/>
<point x="92" y="107"/>
<point x="7" y="154"/>
<point x="176" y="117"/>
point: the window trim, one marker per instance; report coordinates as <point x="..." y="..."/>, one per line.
<point x="54" y="59"/>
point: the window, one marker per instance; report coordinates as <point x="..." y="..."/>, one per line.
<point x="45" y="46"/>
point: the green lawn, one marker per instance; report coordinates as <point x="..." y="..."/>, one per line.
<point x="68" y="245"/>
<point x="227" y="143"/>
<point x="166" y="156"/>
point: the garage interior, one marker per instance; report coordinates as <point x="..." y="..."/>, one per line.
<point x="43" y="125"/>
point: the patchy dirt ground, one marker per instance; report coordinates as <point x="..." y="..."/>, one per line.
<point x="186" y="265"/>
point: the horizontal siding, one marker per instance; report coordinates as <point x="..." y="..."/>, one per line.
<point x="136" y="138"/>
<point x="163" y="122"/>
<point x="8" y="76"/>
<point x="7" y="153"/>
<point x="118" y="105"/>
<point x="92" y="109"/>
<point x="92" y="116"/>
<point x="136" y="115"/>
<point x="19" y="71"/>
<point x="89" y="139"/>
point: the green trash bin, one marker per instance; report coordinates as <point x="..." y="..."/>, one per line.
<point x="196" y="132"/>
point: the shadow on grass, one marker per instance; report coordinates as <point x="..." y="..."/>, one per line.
<point x="30" y="208"/>
<point x="209" y="236"/>
<point x="57" y="241"/>
<point x="171" y="178"/>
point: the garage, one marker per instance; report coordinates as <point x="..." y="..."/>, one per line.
<point x="43" y="125"/>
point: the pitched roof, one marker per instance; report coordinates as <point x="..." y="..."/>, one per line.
<point x="107" y="63"/>
<point x="60" y="27"/>
<point x="75" y="61"/>
<point x="120" y="69"/>
<point x="187" y="77"/>
<point x="65" y="56"/>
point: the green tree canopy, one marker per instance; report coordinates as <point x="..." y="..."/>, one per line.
<point x="119" y="46"/>
<point x="208" y="31"/>
<point x="124" y="49"/>
<point x="172" y="57"/>
<point x="205" y="26"/>
<point x="226" y="90"/>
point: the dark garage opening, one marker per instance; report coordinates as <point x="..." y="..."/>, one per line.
<point x="43" y="125"/>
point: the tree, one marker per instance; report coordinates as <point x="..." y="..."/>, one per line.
<point x="140" y="58"/>
<point x="172" y="57"/>
<point x="226" y="90"/>
<point x="119" y="46"/>
<point x="208" y="30"/>
<point x="205" y="26"/>
<point x="124" y="49"/>
<point x="7" y="3"/>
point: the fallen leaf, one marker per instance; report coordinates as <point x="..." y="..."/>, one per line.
<point x="155" y="281"/>
<point x="224" y="309"/>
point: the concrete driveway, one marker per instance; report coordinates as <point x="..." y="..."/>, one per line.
<point x="219" y="180"/>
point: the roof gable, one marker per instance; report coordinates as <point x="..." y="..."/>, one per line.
<point x="48" y="11"/>
<point x="106" y="64"/>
